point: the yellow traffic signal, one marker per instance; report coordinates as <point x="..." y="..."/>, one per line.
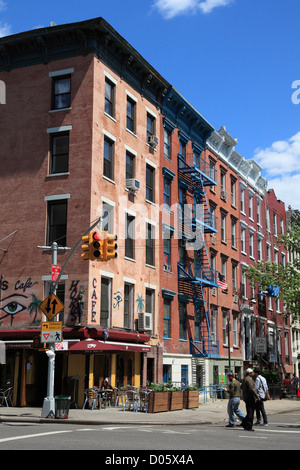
<point x="96" y="246"/>
<point x="110" y="246"/>
<point x="92" y="246"/>
<point x="85" y="247"/>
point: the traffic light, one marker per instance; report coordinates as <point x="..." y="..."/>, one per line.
<point x="85" y="247"/>
<point x="96" y="246"/>
<point x="92" y="247"/>
<point x="110" y="246"/>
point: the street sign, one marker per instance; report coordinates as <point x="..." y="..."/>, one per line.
<point x="51" y="306"/>
<point x="261" y="345"/>
<point x="51" y="332"/>
<point x="55" y="271"/>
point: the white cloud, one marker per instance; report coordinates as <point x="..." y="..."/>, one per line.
<point x="280" y="163"/>
<point x="171" y="8"/>
<point x="2" y="5"/>
<point x="5" y="29"/>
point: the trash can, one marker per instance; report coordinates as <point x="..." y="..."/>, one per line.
<point x="62" y="406"/>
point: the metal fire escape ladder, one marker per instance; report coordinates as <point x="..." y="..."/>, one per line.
<point x="196" y="276"/>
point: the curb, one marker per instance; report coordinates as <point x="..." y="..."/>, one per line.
<point x="19" y="419"/>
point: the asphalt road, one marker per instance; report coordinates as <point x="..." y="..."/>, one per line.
<point x="179" y="442"/>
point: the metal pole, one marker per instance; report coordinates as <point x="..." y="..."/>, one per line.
<point x="48" y="410"/>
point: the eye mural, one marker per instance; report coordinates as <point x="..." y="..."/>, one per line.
<point x="13" y="302"/>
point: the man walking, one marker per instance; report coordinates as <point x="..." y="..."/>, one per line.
<point x="234" y="390"/>
<point x="262" y="389"/>
<point x="250" y="396"/>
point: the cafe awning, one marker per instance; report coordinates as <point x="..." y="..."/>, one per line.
<point x="90" y="345"/>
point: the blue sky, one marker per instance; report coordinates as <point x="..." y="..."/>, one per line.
<point x="236" y="61"/>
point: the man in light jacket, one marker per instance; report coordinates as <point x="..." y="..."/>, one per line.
<point x="250" y="397"/>
<point x="262" y="388"/>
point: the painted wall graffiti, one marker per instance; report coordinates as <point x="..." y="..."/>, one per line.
<point x="17" y="302"/>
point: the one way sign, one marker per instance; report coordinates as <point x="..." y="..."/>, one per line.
<point x="51" y="306"/>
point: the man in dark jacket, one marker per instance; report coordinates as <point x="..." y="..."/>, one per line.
<point x="250" y="396"/>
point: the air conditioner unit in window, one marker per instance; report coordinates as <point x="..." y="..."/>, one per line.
<point x="167" y="268"/>
<point x="145" y="321"/>
<point x="214" y="291"/>
<point x="133" y="185"/>
<point x="152" y="140"/>
<point x="235" y="299"/>
<point x="213" y="239"/>
<point x="223" y="194"/>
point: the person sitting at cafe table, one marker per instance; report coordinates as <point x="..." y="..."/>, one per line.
<point x="105" y="384"/>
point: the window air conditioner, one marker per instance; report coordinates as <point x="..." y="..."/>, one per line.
<point x="152" y="140"/>
<point x="223" y="194"/>
<point x="235" y="299"/>
<point x="167" y="268"/>
<point x="145" y="321"/>
<point x="132" y="184"/>
<point x="213" y="239"/>
<point x="214" y="291"/>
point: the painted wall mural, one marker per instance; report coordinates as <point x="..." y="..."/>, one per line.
<point x="18" y="300"/>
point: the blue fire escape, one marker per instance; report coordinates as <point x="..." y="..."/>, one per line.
<point x="195" y="275"/>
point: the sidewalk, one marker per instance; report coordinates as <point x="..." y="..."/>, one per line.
<point x="207" y="413"/>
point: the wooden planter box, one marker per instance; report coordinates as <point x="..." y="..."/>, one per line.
<point x="190" y="399"/>
<point x="176" y="400"/>
<point x="159" y="401"/>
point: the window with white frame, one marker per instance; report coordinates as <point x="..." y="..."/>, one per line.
<point x="235" y="330"/>
<point x="105" y="302"/>
<point x="243" y="239"/>
<point x="250" y="206"/>
<point x="128" y="305"/>
<point x="243" y="199"/>
<point x="232" y="191"/>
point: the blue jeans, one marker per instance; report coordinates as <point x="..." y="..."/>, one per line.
<point x="233" y="407"/>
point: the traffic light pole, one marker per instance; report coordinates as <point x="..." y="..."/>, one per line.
<point x="48" y="410"/>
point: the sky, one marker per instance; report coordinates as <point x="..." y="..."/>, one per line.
<point x="235" y="61"/>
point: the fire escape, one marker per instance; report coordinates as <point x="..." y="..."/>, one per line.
<point x="195" y="275"/>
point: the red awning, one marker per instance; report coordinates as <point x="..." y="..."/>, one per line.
<point x="96" y="345"/>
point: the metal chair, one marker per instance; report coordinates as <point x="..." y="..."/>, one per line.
<point x="143" y="400"/>
<point x="92" y="396"/>
<point x="131" y="399"/>
<point x="6" y="396"/>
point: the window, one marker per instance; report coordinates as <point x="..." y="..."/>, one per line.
<point x="224" y="328"/>
<point x="214" y="323"/>
<point x="150" y="244"/>
<point x="149" y="308"/>
<point x="109" y="103"/>
<point x="233" y="233"/>
<point x="212" y="171"/>
<point x="167" y="318"/>
<point x="167" y="192"/>
<point x="150" y="125"/>
<point x="130" y="116"/>
<point x="258" y="209"/>
<point x="105" y="302"/>
<point x="108" y="217"/>
<point x="59" y="153"/>
<point x="281" y="226"/>
<point x="269" y="253"/>
<point x="243" y="239"/>
<point x="275" y="223"/>
<point x="167" y="143"/>
<point x="130" y="236"/>
<point x="224" y="266"/>
<point x="182" y="320"/>
<point x="223" y="181"/>
<point x="167" y="251"/>
<point x="232" y="191"/>
<point x="251" y="247"/>
<point x="250" y="206"/>
<point x="108" y="160"/>
<point x="235" y="330"/>
<point x="61" y="92"/>
<point x="242" y="199"/>
<point x="128" y="305"/>
<point x="244" y="285"/>
<point x="234" y="276"/>
<point x="223" y="227"/>
<point x="130" y="165"/>
<point x="57" y="222"/>
<point x="268" y="218"/>
<point x="259" y="248"/>
<point x="150" y="172"/>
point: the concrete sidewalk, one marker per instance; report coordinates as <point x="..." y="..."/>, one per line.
<point x="211" y="412"/>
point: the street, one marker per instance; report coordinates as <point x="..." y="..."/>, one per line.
<point x="283" y="433"/>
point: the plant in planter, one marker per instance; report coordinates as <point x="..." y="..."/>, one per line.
<point x="191" y="397"/>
